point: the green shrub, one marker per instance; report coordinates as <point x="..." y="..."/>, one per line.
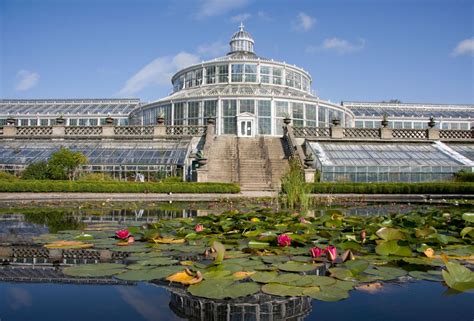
<point x="172" y="179"/>
<point x="64" y="163"/>
<point x="37" y="170"/>
<point x="393" y="188"/>
<point x="115" y="187"/>
<point x="464" y="176"/>
<point x="4" y="176"/>
<point x="97" y="177"/>
<point x="293" y="187"/>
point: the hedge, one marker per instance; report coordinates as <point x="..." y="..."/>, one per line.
<point x="37" y="186"/>
<point x="393" y="188"/>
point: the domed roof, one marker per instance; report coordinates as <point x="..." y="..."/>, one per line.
<point x="241" y="41"/>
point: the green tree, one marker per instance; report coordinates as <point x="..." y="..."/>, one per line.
<point x="64" y="163"/>
<point x="38" y="170"/>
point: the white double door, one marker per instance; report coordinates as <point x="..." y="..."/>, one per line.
<point x="246" y="125"/>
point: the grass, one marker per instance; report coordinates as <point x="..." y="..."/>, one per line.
<point x="294" y="188"/>
<point x="393" y="188"/>
<point x="37" y="186"/>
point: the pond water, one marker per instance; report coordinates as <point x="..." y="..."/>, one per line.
<point x="38" y="291"/>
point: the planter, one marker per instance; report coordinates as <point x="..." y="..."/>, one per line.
<point x="287" y="120"/>
<point x="336" y="122"/>
<point x="308" y="162"/>
<point x="384" y="121"/>
<point x="60" y="121"/>
<point x="109" y="120"/>
<point x="202" y="161"/>
<point x="160" y="120"/>
<point x="11" y="121"/>
<point x="431" y="123"/>
<point x="211" y="121"/>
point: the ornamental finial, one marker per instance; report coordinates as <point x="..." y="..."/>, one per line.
<point x="241" y="26"/>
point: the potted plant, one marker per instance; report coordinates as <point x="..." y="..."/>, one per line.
<point x="201" y="159"/>
<point x="11" y="121"/>
<point x="384" y="121"/>
<point x="287" y="119"/>
<point x="60" y="120"/>
<point x="432" y="122"/>
<point x="109" y="120"/>
<point x="336" y="122"/>
<point x="308" y="161"/>
<point x="210" y="120"/>
<point x="160" y="119"/>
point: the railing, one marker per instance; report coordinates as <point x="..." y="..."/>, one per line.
<point x="182" y="130"/>
<point x="456" y="134"/>
<point x="34" y="131"/>
<point x="133" y="130"/>
<point x="337" y="132"/>
<point x="87" y="131"/>
<point x="106" y="132"/>
<point x="294" y="149"/>
<point x="311" y="132"/>
<point x="410" y="133"/>
<point x="361" y="132"/>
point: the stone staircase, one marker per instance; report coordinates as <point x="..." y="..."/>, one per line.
<point x="254" y="163"/>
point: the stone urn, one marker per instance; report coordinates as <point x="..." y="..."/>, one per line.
<point x="109" y="120"/>
<point x="160" y="120"/>
<point x="384" y="121"/>
<point x="202" y="161"/>
<point x="287" y="120"/>
<point x="309" y="160"/>
<point x="211" y="120"/>
<point x="432" y="122"/>
<point x="60" y="120"/>
<point x="11" y="121"/>
<point x="336" y="122"/>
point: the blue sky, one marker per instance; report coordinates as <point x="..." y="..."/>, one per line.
<point x="363" y="50"/>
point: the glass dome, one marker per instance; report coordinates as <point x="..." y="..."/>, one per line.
<point x="241" y="41"/>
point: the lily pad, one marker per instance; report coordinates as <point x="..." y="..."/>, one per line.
<point x="468" y="217"/>
<point x="94" y="270"/>
<point x="389" y="234"/>
<point x="223" y="289"/>
<point x="420" y="275"/>
<point x="458" y="277"/>
<point x="158" y="261"/>
<point x="292" y="266"/>
<point x="149" y="274"/>
<point x="329" y="294"/>
<point x="282" y="289"/>
<point x="392" y="248"/>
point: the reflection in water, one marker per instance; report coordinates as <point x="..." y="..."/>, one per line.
<point x="18" y="298"/>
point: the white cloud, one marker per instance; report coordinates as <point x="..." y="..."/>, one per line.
<point x="158" y="72"/>
<point x="211" y="8"/>
<point x="264" y="16"/>
<point x="26" y="80"/>
<point x="213" y="49"/>
<point x="241" y="17"/>
<point x="465" y="47"/>
<point x="340" y="46"/>
<point x="304" y="22"/>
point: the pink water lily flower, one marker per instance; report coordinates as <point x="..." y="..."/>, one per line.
<point x="284" y="240"/>
<point x="316" y="252"/>
<point x="303" y="220"/>
<point x="331" y="252"/>
<point x="122" y="234"/>
<point x="199" y="228"/>
<point x="131" y="240"/>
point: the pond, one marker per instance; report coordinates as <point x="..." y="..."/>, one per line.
<point x="257" y="278"/>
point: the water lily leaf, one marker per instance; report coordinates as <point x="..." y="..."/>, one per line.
<point x="423" y="261"/>
<point x="350" y="245"/>
<point x="422" y="233"/>
<point x="292" y="266"/>
<point x="94" y="270"/>
<point x="420" y="275"/>
<point x="222" y="289"/>
<point x="217" y="274"/>
<point x="329" y="294"/>
<point x="386" y="273"/>
<point x="185" y="277"/>
<point x="389" y="234"/>
<point x="149" y="274"/>
<point x="469" y="231"/>
<point x="264" y="277"/>
<point x="468" y="217"/>
<point x="158" y="261"/>
<point x="68" y="245"/>
<point x="458" y="277"/>
<point x="344" y="285"/>
<point x="282" y="289"/>
<point x="258" y="245"/>
<point x="317" y="280"/>
<point x="242" y="275"/>
<point x="168" y="240"/>
<point x="253" y="233"/>
<point x="357" y="266"/>
<point x="275" y="259"/>
<point x="341" y="273"/>
<point x="386" y="248"/>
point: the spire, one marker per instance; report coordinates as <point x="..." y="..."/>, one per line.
<point x="241" y="41"/>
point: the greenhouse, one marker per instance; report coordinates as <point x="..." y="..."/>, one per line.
<point x="118" y="158"/>
<point x="389" y="162"/>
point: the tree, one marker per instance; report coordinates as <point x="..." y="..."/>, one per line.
<point x="37" y="170"/>
<point x="64" y="163"/>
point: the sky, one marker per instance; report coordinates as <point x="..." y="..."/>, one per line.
<point x="355" y="50"/>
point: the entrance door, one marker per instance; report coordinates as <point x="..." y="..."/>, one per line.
<point x="245" y="128"/>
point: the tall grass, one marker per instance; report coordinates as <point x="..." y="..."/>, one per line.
<point x="294" y="188"/>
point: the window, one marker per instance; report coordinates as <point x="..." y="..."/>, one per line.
<point x="178" y="114"/>
<point x="297" y="114"/>
<point x="237" y="72"/>
<point x="211" y="74"/>
<point x="265" y="74"/>
<point x="83" y="122"/>
<point x="210" y="108"/>
<point x="223" y="72"/>
<point x="277" y="76"/>
<point x="323" y="116"/>
<point x="44" y="122"/>
<point x="229" y="111"/>
<point x="281" y="108"/>
<point x="290" y="78"/>
<point x="194" y="112"/>
<point x="247" y="106"/>
<point x="359" y="124"/>
<point x="250" y="73"/>
<point x="23" y="122"/>
<point x="189" y="79"/>
<point x="33" y="122"/>
<point x="310" y="115"/>
<point x="264" y="117"/>
<point x="198" y="77"/>
<point x="93" y="122"/>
